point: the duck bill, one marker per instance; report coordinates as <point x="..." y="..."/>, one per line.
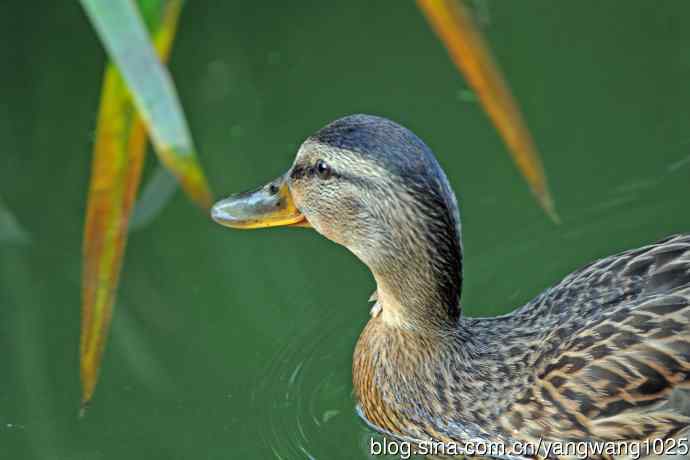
<point x="268" y="206"/>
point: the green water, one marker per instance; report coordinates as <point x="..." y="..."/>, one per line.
<point x="238" y="344"/>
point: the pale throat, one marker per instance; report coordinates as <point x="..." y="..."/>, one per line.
<point x="417" y="271"/>
<point x="393" y="313"/>
<point x="408" y="297"/>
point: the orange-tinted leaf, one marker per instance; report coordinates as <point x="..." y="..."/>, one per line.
<point x="123" y="34"/>
<point x="115" y="175"/>
<point x="456" y="29"/>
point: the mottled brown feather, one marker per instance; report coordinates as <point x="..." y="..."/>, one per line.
<point x="603" y="355"/>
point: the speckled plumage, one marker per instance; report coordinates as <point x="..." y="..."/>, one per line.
<point x="604" y="355"/>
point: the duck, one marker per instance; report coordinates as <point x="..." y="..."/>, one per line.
<point x="602" y="356"/>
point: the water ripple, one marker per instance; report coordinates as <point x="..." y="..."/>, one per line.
<point x="304" y="395"/>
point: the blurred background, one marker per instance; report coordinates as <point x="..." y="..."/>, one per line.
<point x="229" y="344"/>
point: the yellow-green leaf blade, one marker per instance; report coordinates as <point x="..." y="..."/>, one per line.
<point x="463" y="41"/>
<point x="123" y="34"/>
<point x="116" y="172"/>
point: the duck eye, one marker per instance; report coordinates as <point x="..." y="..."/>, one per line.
<point x="322" y="169"/>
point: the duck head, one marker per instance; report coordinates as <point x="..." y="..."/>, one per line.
<point x="373" y="186"/>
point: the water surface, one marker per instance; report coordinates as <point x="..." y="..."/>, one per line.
<point x="238" y="344"/>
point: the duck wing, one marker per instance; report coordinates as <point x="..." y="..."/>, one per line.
<point x="615" y="362"/>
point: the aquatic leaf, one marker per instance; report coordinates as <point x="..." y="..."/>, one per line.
<point x="463" y="40"/>
<point x="115" y="175"/>
<point x="124" y="36"/>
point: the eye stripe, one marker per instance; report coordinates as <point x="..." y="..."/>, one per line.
<point x="301" y="171"/>
<point x="297" y="172"/>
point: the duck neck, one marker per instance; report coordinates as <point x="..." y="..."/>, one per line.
<point x="419" y="281"/>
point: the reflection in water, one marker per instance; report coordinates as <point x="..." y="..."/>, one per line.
<point x="679" y="164"/>
<point x="31" y="360"/>
<point x="132" y="343"/>
<point x="11" y="233"/>
<point x="153" y="197"/>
